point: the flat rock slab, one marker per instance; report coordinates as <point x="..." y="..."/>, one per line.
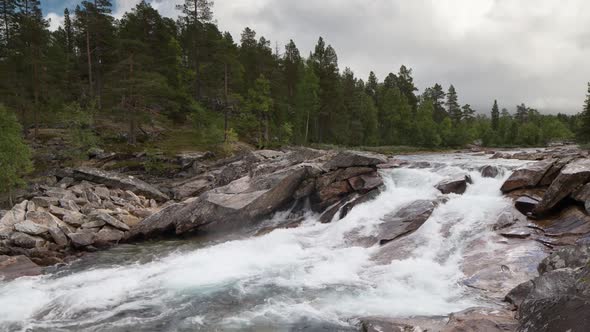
<point x="355" y="158"/>
<point x="572" y="221"/>
<point x="404" y="221"/>
<point x="12" y="267"/>
<point x="525" y="204"/>
<point x="527" y="176"/>
<point x="119" y="181"/>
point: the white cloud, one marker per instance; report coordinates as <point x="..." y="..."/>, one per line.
<point x="55" y="21"/>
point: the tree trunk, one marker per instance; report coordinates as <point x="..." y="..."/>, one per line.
<point x="266" y="130"/>
<point x="132" y="115"/>
<point x="306" y="128"/>
<point x="90" y="86"/>
<point x="36" y="92"/>
<point x="6" y="23"/>
<point x="196" y="51"/>
<point x="10" y="202"/>
<point x="226" y="106"/>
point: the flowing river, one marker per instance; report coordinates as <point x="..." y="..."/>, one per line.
<point x="316" y="276"/>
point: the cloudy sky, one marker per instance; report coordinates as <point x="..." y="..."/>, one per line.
<point x="531" y="51"/>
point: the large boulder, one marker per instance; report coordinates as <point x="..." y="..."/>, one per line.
<point x="405" y="221"/>
<point x="12" y="267"/>
<point x="527" y="176"/>
<point x="558" y="301"/>
<point x="570" y="179"/>
<point x="236" y="204"/>
<point x="15" y="215"/>
<point x="454" y="185"/>
<point x="119" y="181"/>
<point x="347" y="159"/>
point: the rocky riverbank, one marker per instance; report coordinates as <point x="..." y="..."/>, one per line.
<point x="88" y="209"/>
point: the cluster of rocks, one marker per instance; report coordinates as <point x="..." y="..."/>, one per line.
<point x="541" y="154"/>
<point x="253" y="187"/>
<point x="553" y="196"/>
<point x="74" y="215"/>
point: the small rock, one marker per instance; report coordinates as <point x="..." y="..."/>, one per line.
<point x="94" y="224"/>
<point x="109" y="234"/>
<point x="110" y="220"/>
<point x="30" y="228"/>
<point x="12" y="267"/>
<point x="455" y="185"/>
<point x="489" y="171"/>
<point x="45" y="201"/>
<point x="58" y="236"/>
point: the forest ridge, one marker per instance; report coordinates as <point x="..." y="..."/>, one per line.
<point x="145" y="67"/>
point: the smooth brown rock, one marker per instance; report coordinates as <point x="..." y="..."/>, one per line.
<point x="365" y="182"/>
<point x="455" y="185"/>
<point x="527" y="176"/>
<point x="12" y="267"/>
<point x="404" y="221"/>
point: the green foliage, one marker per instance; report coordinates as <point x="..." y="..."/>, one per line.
<point x="15" y="157"/>
<point x="230" y="142"/>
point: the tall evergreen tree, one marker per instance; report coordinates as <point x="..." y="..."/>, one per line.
<point x="453" y="107"/>
<point x="495" y="116"/>
<point x="584" y="130"/>
<point x="437" y="97"/>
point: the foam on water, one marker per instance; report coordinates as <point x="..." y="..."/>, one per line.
<point x="307" y="273"/>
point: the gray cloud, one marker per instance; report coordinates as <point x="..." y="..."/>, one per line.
<point x="531" y="51"/>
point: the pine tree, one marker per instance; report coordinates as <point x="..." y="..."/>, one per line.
<point x="437" y="96"/>
<point x="307" y="104"/>
<point x="453" y="108"/>
<point x="260" y="104"/>
<point x="372" y="86"/>
<point x="468" y="114"/>
<point x="495" y="116"/>
<point x="291" y="63"/>
<point x="405" y="83"/>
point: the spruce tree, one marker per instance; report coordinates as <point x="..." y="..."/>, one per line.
<point x="453" y="107"/>
<point x="495" y="116"/>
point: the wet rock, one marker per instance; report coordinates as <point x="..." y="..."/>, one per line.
<point x="331" y="193"/>
<point x="384" y="325"/>
<point x="365" y="182"/>
<point x="26" y="241"/>
<point x="506" y="219"/>
<point x="347" y="159"/>
<point x="527" y="176"/>
<point x="489" y="171"/>
<point x="525" y="204"/>
<point x="82" y="239"/>
<point x="123" y="182"/>
<point x="570" y="178"/>
<point x="405" y="221"/>
<point x="31" y="228"/>
<point x="12" y="267"/>
<point x="481" y="320"/>
<point x="571" y="221"/>
<point x="455" y="185"/>
<point x="305" y="189"/>
<point x="517" y="233"/>
<point x="242" y="201"/>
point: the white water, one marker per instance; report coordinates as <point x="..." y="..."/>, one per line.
<point x="307" y="274"/>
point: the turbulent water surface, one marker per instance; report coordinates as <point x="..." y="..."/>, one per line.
<point x="316" y="275"/>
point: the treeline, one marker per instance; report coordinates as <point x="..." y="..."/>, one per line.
<point x="145" y="66"/>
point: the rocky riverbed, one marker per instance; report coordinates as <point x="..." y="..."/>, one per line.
<point x="305" y="239"/>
